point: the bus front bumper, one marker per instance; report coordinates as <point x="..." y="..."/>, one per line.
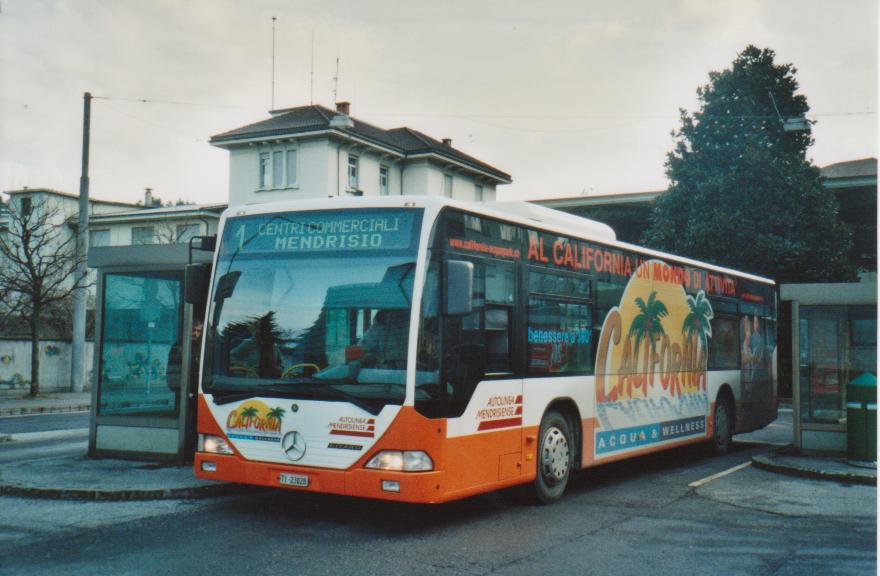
<point x="417" y="487"/>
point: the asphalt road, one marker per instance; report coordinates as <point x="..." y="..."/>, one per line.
<point x="37" y="449"/>
<point x="633" y="517"/>
<point x="43" y="422"/>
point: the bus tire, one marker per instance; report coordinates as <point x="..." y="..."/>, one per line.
<point x="554" y="458"/>
<point x="722" y="425"/>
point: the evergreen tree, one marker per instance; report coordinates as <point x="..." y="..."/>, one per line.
<point x="742" y="192"/>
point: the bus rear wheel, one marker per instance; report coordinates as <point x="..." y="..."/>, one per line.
<point x="554" y="458"/>
<point x="722" y="424"/>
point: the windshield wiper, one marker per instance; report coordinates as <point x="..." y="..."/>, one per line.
<point x="303" y="388"/>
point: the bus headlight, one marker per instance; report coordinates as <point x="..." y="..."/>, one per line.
<point x="214" y="444"/>
<point x="401" y="461"/>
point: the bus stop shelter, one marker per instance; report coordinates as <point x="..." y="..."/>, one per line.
<point x="145" y="353"/>
<point x="833" y="347"/>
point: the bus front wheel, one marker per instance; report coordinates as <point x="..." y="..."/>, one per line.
<point x="554" y="458"/>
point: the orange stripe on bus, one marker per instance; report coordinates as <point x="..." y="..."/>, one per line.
<point x="495" y="424"/>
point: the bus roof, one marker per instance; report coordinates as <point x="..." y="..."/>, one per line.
<point x="523" y="213"/>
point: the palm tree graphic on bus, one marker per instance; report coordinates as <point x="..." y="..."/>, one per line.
<point x="697" y="326"/>
<point x="275" y="416"/>
<point x="647" y="326"/>
<point x="248" y="414"/>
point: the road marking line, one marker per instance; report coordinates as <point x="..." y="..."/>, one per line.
<point x="708" y="479"/>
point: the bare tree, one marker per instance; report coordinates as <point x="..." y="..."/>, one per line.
<point x="38" y="270"/>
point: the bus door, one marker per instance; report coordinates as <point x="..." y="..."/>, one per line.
<point x="468" y="373"/>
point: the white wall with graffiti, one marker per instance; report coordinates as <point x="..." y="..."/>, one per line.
<point x="15" y="365"/>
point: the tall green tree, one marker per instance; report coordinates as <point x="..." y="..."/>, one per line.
<point x="742" y="192"/>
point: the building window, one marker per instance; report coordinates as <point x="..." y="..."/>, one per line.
<point x="99" y="238"/>
<point x="185" y="232"/>
<point x="383" y="180"/>
<point x="143" y="235"/>
<point x="478" y="192"/>
<point x="291" y="167"/>
<point x="264" y="169"/>
<point x="447" y="185"/>
<point x="352" y="171"/>
<point x="277" y="169"/>
<point x="26" y="206"/>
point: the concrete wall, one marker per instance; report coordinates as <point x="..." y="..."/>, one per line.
<point x="15" y="365"/>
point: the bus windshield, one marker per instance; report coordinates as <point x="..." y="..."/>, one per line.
<point x="313" y="305"/>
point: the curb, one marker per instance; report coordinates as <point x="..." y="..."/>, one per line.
<point x="767" y="463"/>
<point x="98" y="495"/>
<point x="34" y="410"/>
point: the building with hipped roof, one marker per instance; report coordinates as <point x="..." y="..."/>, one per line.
<point x="313" y="151"/>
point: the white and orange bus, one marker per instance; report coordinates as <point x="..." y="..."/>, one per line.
<point x="423" y="350"/>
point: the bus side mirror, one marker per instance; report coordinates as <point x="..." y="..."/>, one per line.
<point x="226" y="285"/>
<point x="196" y="283"/>
<point x="458" y="284"/>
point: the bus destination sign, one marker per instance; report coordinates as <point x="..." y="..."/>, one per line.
<point x="326" y="231"/>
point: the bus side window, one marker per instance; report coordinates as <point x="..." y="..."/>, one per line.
<point x="724" y="344"/>
<point x="560" y="323"/>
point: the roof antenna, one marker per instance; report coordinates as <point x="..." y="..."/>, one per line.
<point x="273" y="63"/>
<point x="336" y="84"/>
<point x="312" y="76"/>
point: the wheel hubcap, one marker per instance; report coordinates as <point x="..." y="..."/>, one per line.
<point x="554" y="456"/>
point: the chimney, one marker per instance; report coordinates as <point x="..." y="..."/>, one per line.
<point x="343" y="107"/>
<point x="148" y="197"/>
<point x="447" y="142"/>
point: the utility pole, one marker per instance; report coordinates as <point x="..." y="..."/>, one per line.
<point x="77" y="361"/>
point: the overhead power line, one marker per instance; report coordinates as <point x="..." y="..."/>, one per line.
<point x="468" y="115"/>
<point x="175" y="102"/>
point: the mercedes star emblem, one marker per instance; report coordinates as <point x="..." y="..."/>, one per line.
<point x="294" y="445"/>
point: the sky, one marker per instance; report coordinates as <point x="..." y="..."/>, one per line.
<point x="569" y="97"/>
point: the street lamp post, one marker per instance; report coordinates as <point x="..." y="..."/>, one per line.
<point x="792" y="124"/>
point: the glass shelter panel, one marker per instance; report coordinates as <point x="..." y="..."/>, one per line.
<point x="141" y="325"/>
<point x="837" y="345"/>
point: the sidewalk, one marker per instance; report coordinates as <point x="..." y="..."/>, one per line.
<point x="787" y="461"/>
<point x="74" y="476"/>
<point x="82" y="478"/>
